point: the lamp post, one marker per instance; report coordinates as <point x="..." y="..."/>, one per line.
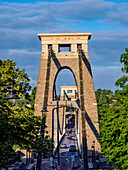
<point x="44" y="110"/>
<point x="92" y="153"/>
<point x="12" y="95"/>
<point x="42" y="129"/>
<point x="97" y="162"/>
<point x="58" y="132"/>
<point x="20" y="164"/>
<point x="20" y="161"/>
<point x="85" y="152"/>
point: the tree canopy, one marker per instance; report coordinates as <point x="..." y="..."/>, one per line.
<point x="18" y="125"/>
<point x="9" y="74"/>
<point x="114" y="123"/>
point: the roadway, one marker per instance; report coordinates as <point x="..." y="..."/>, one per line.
<point x="65" y="155"/>
<point x="69" y="140"/>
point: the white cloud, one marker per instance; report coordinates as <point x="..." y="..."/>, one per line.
<point x="52" y="15"/>
<point x="33" y="83"/>
<point x="119" y="15"/>
<point x="106" y="78"/>
<point x="106" y="47"/>
<point x="21" y="22"/>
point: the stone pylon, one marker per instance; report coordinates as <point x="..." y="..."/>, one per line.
<point x="68" y="50"/>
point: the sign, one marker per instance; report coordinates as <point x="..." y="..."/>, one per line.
<point x="58" y="167"/>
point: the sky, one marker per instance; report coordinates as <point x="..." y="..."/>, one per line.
<point x="107" y="20"/>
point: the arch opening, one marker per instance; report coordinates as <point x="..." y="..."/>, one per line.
<point x="65" y="86"/>
<point x="70" y="121"/>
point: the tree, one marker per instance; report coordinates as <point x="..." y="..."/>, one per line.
<point x="26" y="130"/>
<point x="31" y="99"/>
<point x="104" y="99"/>
<point x="10" y="74"/>
<point x="114" y="129"/>
<point x="114" y="132"/>
<point x="18" y="125"/>
<point x="122" y="82"/>
<point x="6" y="149"/>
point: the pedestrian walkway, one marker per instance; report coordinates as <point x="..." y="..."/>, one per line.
<point x="65" y="164"/>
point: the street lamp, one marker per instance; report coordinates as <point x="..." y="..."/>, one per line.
<point x="11" y="94"/>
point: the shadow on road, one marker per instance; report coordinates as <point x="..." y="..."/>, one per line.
<point x="67" y="153"/>
<point x="71" y="138"/>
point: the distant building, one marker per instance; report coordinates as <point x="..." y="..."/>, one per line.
<point x="68" y="92"/>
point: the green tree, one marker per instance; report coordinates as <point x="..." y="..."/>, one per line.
<point x="6" y="150"/>
<point x="104" y="99"/>
<point x="114" y="129"/>
<point x="18" y="126"/>
<point x="122" y="82"/>
<point x="31" y="99"/>
<point x="10" y="74"/>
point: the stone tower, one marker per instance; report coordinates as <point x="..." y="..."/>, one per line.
<point x="76" y="58"/>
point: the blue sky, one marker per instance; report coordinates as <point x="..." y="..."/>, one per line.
<point x="22" y="20"/>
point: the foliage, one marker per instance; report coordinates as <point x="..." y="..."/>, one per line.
<point x="122" y="82"/>
<point x="31" y="99"/>
<point x="18" y="125"/>
<point x="124" y="60"/>
<point x="114" y="129"/>
<point x="114" y="132"/>
<point x="67" y="108"/>
<point x="27" y="128"/>
<point x="6" y="150"/>
<point x="101" y="93"/>
<point x="10" y="74"/>
<point x="104" y="99"/>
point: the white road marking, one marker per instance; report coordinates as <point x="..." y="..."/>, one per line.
<point x="68" y="163"/>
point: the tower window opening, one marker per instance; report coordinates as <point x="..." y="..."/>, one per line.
<point x="49" y="46"/>
<point x="79" y="46"/>
<point x="69" y="91"/>
<point x="64" y="47"/>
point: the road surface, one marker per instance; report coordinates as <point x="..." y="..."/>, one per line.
<point x="65" y="155"/>
<point x="69" y="140"/>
